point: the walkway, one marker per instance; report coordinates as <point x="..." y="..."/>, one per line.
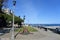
<point x="40" y="35"/>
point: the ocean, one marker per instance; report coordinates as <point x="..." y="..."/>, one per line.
<point x="44" y="25"/>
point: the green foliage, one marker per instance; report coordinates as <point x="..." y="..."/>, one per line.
<point x="16" y="19"/>
<point x="30" y="29"/>
<point x="19" y="29"/>
<point x="2" y="20"/>
<point x="10" y="18"/>
<point x="1" y="2"/>
<point x="5" y="17"/>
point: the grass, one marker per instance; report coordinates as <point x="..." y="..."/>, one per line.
<point x="19" y="29"/>
<point x="30" y="29"/>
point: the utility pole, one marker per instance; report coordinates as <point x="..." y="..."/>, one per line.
<point x="14" y="3"/>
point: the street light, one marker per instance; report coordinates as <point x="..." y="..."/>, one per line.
<point x="24" y="19"/>
<point x="12" y="38"/>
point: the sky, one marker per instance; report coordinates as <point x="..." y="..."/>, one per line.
<point x="38" y="11"/>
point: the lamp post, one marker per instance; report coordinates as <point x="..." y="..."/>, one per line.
<point x="12" y="38"/>
<point x="24" y="19"/>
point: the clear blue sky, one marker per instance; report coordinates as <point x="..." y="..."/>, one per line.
<point x="38" y="11"/>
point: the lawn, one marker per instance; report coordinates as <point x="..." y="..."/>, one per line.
<point x="30" y="29"/>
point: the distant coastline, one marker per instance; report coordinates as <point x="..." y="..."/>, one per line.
<point x="44" y="24"/>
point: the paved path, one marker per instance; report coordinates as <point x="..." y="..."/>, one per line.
<point x="40" y="35"/>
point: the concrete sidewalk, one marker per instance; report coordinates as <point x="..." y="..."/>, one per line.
<point x="40" y="35"/>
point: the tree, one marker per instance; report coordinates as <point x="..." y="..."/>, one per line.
<point x="20" y="22"/>
<point x="5" y="18"/>
<point x="17" y="20"/>
<point x="1" y="4"/>
<point x="2" y="21"/>
<point x="2" y="18"/>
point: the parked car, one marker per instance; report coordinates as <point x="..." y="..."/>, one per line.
<point x="58" y="30"/>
